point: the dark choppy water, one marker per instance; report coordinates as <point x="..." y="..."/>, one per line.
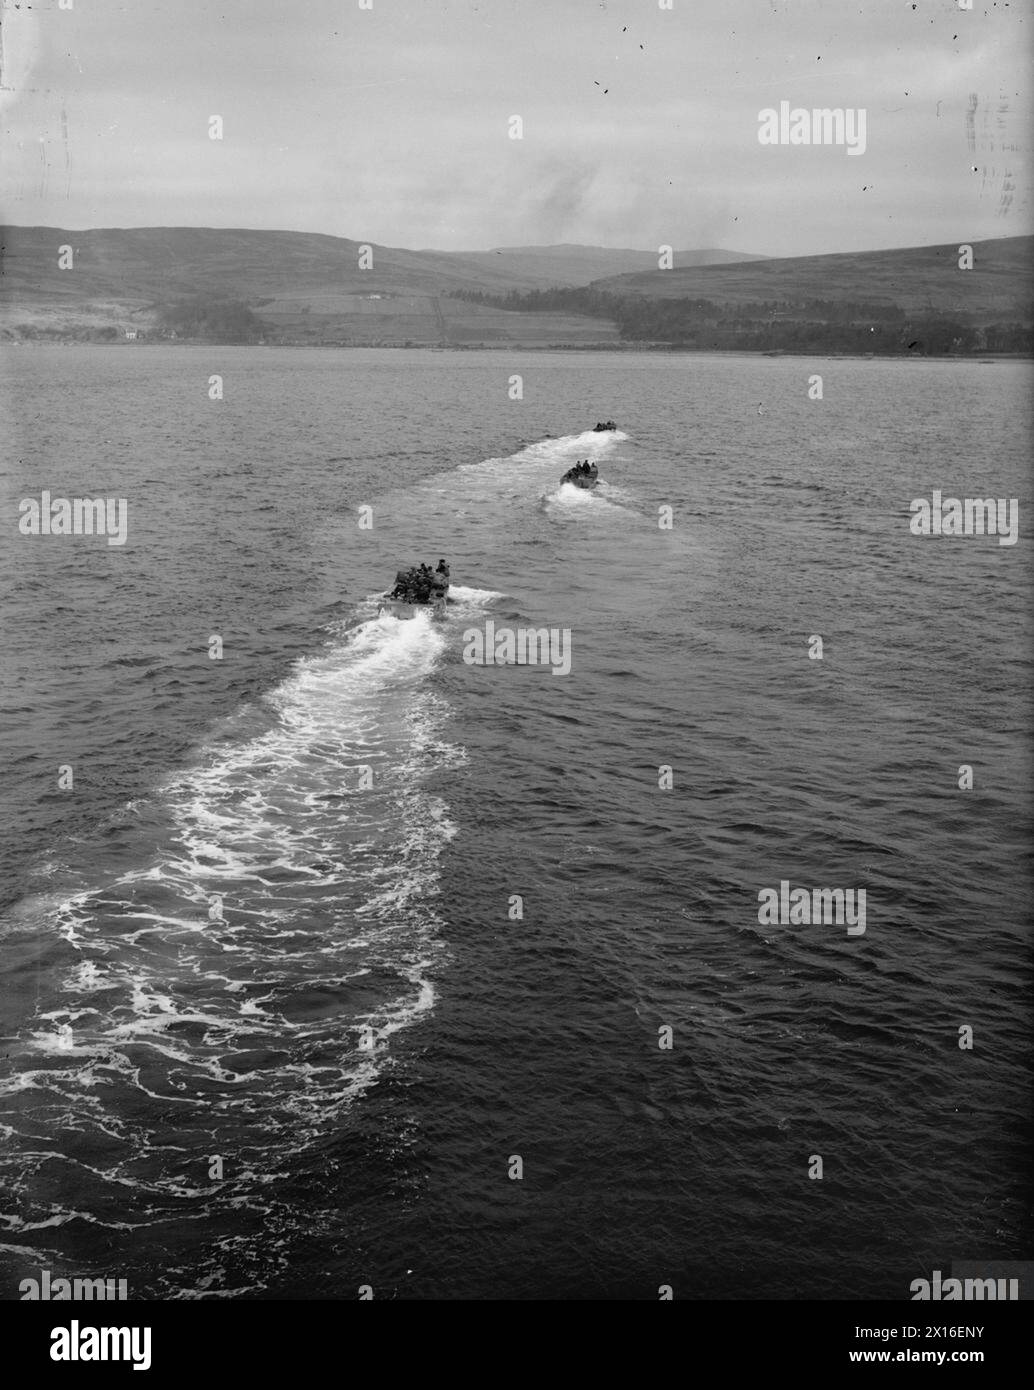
<point x="361" y="1034"/>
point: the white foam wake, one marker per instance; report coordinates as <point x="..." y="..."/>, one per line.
<point x="557" y="452"/>
<point x="249" y="972"/>
<point x="465" y="594"/>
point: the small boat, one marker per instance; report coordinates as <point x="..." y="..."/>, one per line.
<point x="419" y="587"/>
<point x="583" y="476"/>
<point x="601" y="426"/>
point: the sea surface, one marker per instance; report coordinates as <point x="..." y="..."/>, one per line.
<point x="343" y="961"/>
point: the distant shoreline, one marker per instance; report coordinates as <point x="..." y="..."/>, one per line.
<point x="641" y="349"/>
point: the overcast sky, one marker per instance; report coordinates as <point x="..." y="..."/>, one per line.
<point x="640" y="124"/>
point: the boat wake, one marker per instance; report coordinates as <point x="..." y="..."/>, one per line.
<point x="568" y="502"/>
<point x="243" y="981"/>
<point x="558" y="454"/>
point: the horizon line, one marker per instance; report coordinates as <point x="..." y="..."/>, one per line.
<point x="530" y="246"/>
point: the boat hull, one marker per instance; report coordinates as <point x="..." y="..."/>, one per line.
<point x="402" y="609"/>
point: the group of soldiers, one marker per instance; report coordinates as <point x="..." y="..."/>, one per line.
<point x="582" y="469"/>
<point x="421" y="584"/>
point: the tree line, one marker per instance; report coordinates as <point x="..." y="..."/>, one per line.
<point x="212" y="318"/>
<point x="811" y="325"/>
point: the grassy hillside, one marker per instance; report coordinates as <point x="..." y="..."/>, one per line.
<point x="916" y="301"/>
<point x="231" y="285"/>
<point x="155" y="262"/>
<point x="917" y="279"/>
<point x="542" y="266"/>
<point x="304" y="286"/>
<point x="418" y="320"/>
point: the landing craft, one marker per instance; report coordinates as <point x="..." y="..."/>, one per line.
<point x="582" y="475"/>
<point x="419" y="587"/>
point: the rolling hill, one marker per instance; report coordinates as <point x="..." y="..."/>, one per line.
<point x="301" y="287"/>
<point x="304" y="286"/>
<point x="916" y="279"/>
<point x="543" y="266"/>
